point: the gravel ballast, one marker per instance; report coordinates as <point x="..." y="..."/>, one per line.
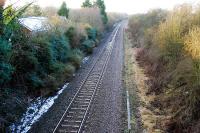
<point x="107" y="111"/>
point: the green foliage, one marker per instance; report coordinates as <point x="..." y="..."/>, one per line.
<point x="13" y="104"/>
<point x="63" y="72"/>
<point x="92" y="33"/>
<point x="102" y="7"/>
<point x="75" y="58"/>
<point x="87" y="46"/>
<point x="63" y="11"/>
<point x="5" y="73"/>
<point x="70" y="33"/>
<point x="87" y="4"/>
<point x="60" y="47"/>
<point x="5" y="67"/>
<point x="90" y="42"/>
<point x="37" y="64"/>
<point x="1" y="20"/>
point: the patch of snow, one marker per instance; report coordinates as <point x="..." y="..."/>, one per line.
<point x="85" y="59"/>
<point x="34" y="112"/>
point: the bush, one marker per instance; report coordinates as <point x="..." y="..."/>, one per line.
<point x="92" y="33"/>
<point x="75" y="58"/>
<point x="64" y="72"/>
<point x="5" y="67"/>
<point x="69" y="70"/>
<point x="87" y="46"/>
<point x="60" y="47"/>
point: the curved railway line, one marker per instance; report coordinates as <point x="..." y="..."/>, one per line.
<point x="72" y="121"/>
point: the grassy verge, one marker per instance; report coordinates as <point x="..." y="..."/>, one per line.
<point x="144" y="116"/>
<point x="130" y="84"/>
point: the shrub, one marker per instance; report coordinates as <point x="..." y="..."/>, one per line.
<point x="43" y="52"/>
<point x="75" y="36"/>
<point x="64" y="72"/>
<point x="92" y="33"/>
<point x="75" y="58"/>
<point x="87" y="46"/>
<point x="60" y="47"/>
<point x="5" y="67"/>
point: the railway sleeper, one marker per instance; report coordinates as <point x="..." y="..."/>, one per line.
<point x="73" y="117"/>
<point x="80" y="105"/>
<point x="65" y="131"/>
<point x="72" y="123"/>
<point x="86" y="91"/>
<point x="78" y="108"/>
<point x="76" y="113"/>
<point x="82" y="102"/>
<point x="84" y="96"/>
<point x="70" y="126"/>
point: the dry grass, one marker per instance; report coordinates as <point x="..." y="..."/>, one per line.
<point x="192" y="43"/>
<point x="130" y="84"/>
<point x="135" y="81"/>
<point x="171" y="60"/>
<point x="149" y="118"/>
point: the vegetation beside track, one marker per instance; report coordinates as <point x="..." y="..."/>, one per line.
<point x="168" y="43"/>
<point x="36" y="64"/>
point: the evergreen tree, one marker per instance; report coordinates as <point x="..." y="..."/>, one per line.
<point x="5" y="51"/>
<point x="87" y="4"/>
<point x="63" y="11"/>
<point x="1" y="16"/>
<point x="101" y="5"/>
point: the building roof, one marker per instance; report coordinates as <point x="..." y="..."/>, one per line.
<point x="35" y="24"/>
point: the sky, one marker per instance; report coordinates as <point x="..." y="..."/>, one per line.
<point x="123" y="6"/>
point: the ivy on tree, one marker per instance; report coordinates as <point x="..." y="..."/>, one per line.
<point x="63" y="11"/>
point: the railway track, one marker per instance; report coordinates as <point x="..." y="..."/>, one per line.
<point x="74" y="116"/>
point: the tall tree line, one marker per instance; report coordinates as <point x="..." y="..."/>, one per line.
<point x="101" y="5"/>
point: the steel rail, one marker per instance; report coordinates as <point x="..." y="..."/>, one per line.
<point x="86" y="78"/>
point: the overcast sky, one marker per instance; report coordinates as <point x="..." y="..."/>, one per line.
<point x="125" y="6"/>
